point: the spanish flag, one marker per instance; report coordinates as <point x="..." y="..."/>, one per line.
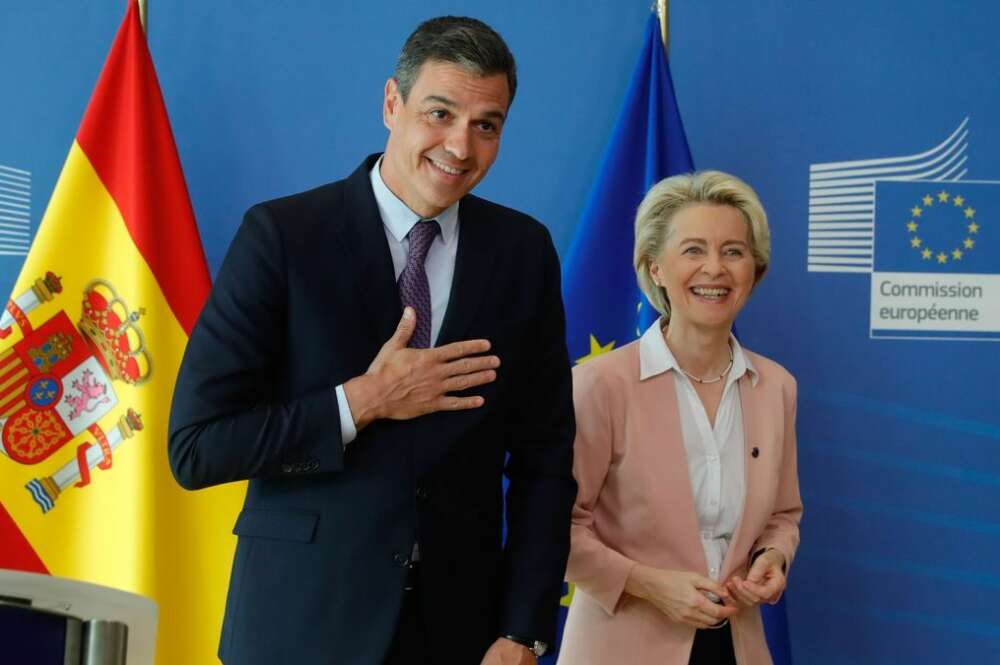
<point x="90" y="343"/>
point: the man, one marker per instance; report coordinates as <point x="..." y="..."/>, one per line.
<point x="372" y="527"/>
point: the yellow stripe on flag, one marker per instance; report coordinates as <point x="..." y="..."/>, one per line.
<point x="14" y="408"/>
<point x="14" y="378"/>
<point x="9" y="364"/>
<point x="133" y="527"/>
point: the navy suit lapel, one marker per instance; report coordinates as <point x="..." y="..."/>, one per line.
<point x="365" y="235"/>
<point x="474" y="265"/>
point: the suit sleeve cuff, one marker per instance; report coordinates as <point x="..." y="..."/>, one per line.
<point x="606" y="578"/>
<point x="609" y="596"/>
<point x="348" y="430"/>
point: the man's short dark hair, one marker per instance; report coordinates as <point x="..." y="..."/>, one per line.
<point x="466" y="42"/>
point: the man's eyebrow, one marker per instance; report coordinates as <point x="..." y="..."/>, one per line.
<point x="431" y="99"/>
<point x="440" y="100"/>
<point x="497" y="115"/>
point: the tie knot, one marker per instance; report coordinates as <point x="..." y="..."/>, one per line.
<point x="421" y="236"/>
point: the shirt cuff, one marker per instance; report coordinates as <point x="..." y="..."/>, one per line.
<point x="348" y="430"/>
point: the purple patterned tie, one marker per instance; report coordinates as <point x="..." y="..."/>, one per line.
<point x="413" y="287"/>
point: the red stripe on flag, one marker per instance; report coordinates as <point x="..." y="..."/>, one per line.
<point x="126" y="135"/>
<point x="16" y="553"/>
<point x="17" y="390"/>
<point x="10" y="369"/>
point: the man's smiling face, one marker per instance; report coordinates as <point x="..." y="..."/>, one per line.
<point x="444" y="137"/>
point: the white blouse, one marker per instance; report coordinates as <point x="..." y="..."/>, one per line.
<point x="715" y="455"/>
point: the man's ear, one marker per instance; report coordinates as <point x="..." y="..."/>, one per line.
<point x="391" y="103"/>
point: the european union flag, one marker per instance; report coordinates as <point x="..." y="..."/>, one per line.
<point x="648" y="144"/>
<point x="604" y="306"/>
<point x="937" y="227"/>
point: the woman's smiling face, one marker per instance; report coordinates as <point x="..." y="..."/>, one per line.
<point x="706" y="266"/>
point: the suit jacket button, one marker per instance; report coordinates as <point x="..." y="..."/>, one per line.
<point x="286" y="468"/>
<point x="402" y="560"/>
<point x="755" y="452"/>
<point x="422" y="494"/>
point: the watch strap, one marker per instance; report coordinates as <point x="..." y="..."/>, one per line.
<point x="536" y="647"/>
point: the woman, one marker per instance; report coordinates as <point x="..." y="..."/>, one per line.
<point x="688" y="506"/>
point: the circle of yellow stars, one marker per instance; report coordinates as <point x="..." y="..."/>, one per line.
<point x="942" y="199"/>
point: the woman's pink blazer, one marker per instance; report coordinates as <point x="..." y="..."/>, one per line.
<point x="635" y="505"/>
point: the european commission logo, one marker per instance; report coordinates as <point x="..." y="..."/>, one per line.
<point x="929" y="240"/>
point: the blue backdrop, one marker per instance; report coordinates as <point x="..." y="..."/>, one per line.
<point x="899" y="440"/>
<point x="811" y="102"/>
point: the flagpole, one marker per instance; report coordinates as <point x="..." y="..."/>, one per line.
<point x="663" y="12"/>
<point x="142" y="15"/>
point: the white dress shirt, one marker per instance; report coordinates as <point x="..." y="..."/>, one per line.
<point x="397" y="220"/>
<point x="715" y="455"/>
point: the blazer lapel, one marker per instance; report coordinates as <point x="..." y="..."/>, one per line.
<point x="751" y="406"/>
<point x="364" y="235"/>
<point x="474" y="265"/>
<point x="657" y="406"/>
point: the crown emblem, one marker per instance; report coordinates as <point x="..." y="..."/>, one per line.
<point x="110" y="328"/>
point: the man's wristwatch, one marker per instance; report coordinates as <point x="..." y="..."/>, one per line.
<point x="536" y="647"/>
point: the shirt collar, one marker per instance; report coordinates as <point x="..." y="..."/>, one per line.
<point x="656" y="358"/>
<point x="399" y="219"/>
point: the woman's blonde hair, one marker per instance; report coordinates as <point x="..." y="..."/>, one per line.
<point x="666" y="198"/>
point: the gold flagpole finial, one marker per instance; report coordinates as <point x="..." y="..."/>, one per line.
<point x="663" y="11"/>
<point x="142" y="15"/>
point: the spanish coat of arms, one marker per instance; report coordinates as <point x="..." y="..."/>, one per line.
<point x="57" y="383"/>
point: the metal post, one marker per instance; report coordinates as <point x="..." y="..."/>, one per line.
<point x="142" y="14"/>
<point x="104" y="642"/>
<point x="663" y="11"/>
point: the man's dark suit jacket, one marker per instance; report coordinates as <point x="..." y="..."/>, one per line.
<point x="304" y="301"/>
